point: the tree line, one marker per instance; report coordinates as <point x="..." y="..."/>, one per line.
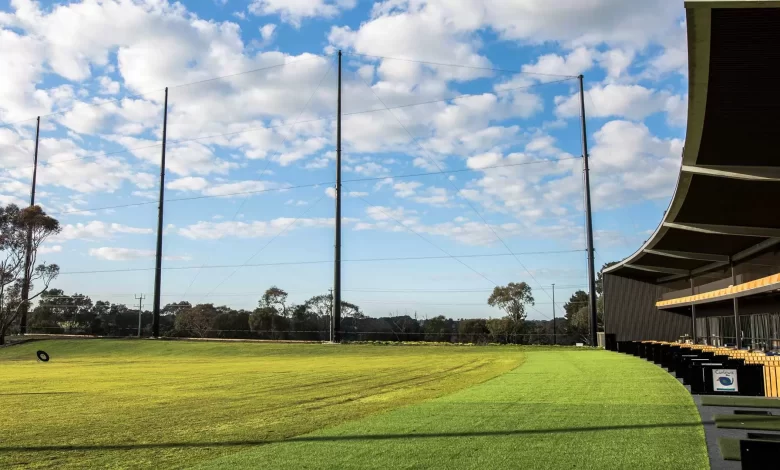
<point x="274" y="318"/>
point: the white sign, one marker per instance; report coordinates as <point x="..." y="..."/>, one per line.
<point x="724" y="380"/>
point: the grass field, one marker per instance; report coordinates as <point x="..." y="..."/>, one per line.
<point x="140" y="404"/>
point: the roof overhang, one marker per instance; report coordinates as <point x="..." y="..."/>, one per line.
<point x="726" y="205"/>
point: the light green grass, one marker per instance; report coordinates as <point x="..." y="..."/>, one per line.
<point x="742" y="402"/>
<point x="762" y="423"/>
<point x="170" y="404"/>
<point x="562" y="408"/>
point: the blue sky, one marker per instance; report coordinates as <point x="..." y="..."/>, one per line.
<point x="250" y="156"/>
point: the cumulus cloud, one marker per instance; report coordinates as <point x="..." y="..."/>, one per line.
<point x="629" y="101"/>
<point x="295" y="11"/>
<point x="50" y="249"/>
<point x="630" y="164"/>
<point x="97" y="229"/>
<point x="575" y="63"/>
<point x="129" y="254"/>
<point x="257" y="229"/>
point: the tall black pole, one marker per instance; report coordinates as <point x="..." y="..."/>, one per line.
<point x="594" y="326"/>
<point x="337" y="258"/>
<point x="158" y="261"/>
<point x="28" y="246"/>
<point x="555" y="341"/>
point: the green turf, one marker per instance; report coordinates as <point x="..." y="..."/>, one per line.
<point x="762" y="423"/>
<point x="729" y="448"/>
<point x="561" y="409"/>
<point x="171" y="404"/>
<point x="741" y="402"/>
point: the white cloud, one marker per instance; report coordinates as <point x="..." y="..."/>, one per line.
<point x="629" y="164"/>
<point x="406" y="188"/>
<point x="575" y="63"/>
<point x="188" y="183"/>
<point x="50" y="249"/>
<point x="256" y="229"/>
<point x="128" y="254"/>
<point x="616" y="61"/>
<point x="330" y="192"/>
<point x="630" y="101"/>
<point x="676" y="108"/>
<point x="357" y="194"/>
<point x="293" y="11"/>
<point x="108" y="86"/>
<point x="267" y="32"/>
<point x="481" y="161"/>
<point x="97" y="229"/>
<point x="674" y="57"/>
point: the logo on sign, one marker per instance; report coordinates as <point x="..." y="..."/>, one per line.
<point x="724" y="380"/>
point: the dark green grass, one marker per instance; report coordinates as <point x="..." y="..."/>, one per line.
<point x="745" y="402"/>
<point x="170" y="404"/>
<point x="561" y="409"/>
<point x="762" y="423"/>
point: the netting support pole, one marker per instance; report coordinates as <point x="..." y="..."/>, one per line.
<point x="337" y="257"/>
<point x="28" y="246"/>
<point x="158" y="257"/>
<point x="592" y="309"/>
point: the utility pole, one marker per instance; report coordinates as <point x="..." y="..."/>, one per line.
<point x="158" y="259"/>
<point x="555" y="340"/>
<point x="28" y="246"/>
<point x="594" y="325"/>
<point x="337" y="258"/>
<point x="330" y="318"/>
<point x="140" y="300"/>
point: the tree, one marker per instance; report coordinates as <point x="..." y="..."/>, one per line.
<point x="438" y="329"/>
<point x="198" y="320"/>
<point x="349" y="310"/>
<point x="22" y="231"/>
<point x="578" y="300"/>
<point x="276" y="298"/>
<point x="230" y="323"/>
<point x="473" y="331"/>
<point x="56" y="311"/>
<point x="175" y="308"/>
<point x="512" y="299"/>
<point x="501" y="329"/>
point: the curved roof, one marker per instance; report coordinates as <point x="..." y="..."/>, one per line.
<point x="726" y="206"/>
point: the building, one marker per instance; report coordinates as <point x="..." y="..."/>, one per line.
<point x="712" y="267"/>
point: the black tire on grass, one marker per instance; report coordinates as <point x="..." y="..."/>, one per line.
<point x="42" y="356"/>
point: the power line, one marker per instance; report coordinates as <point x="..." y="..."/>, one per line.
<point x="295" y="263"/>
<point x="314" y="56"/>
<point x="268" y="161"/>
<point x="460" y="66"/>
<point x="462" y="170"/>
<point x="138" y="95"/>
<point x="428" y="241"/>
<point x="457" y="190"/>
<point x="462" y="95"/>
<point x="324" y="183"/>
<point x="287" y="227"/>
<point x="254" y="129"/>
